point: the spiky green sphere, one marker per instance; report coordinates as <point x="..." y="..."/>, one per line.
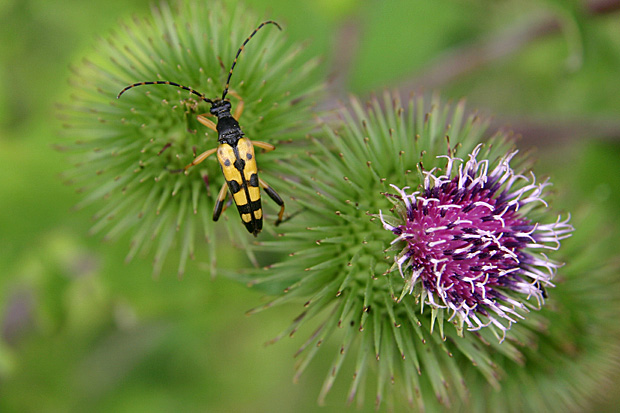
<point x="128" y="150"/>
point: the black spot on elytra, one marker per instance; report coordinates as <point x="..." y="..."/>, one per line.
<point x="234" y="186"/>
<point x="249" y="207"/>
<point x="239" y="164"/>
<point x="255" y="205"/>
<point x="254" y="180"/>
<point x="244" y="209"/>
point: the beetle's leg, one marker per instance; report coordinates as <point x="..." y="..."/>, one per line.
<point x="240" y="105"/>
<point x="273" y="195"/>
<point x="220" y="203"/>
<point x="201" y="158"/>
<point x="207" y="122"/>
<point x="264" y="145"/>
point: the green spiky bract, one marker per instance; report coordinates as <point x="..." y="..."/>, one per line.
<point x="125" y="149"/>
<point x="338" y="261"/>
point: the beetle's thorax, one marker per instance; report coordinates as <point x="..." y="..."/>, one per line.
<point x="228" y="128"/>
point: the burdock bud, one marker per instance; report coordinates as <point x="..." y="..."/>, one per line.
<point x="129" y="152"/>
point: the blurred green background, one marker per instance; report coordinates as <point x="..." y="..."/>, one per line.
<point x="82" y="330"/>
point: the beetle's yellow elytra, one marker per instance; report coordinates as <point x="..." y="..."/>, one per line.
<point x="241" y="173"/>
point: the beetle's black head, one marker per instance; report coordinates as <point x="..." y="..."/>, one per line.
<point x="220" y="108"/>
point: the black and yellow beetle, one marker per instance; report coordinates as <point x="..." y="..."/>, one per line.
<point x="235" y="153"/>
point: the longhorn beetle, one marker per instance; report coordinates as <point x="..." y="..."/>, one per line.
<point x="235" y="153"/>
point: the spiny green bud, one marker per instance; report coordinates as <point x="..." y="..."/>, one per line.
<point x="129" y="151"/>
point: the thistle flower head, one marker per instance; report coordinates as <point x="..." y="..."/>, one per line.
<point x="128" y="151"/>
<point x="469" y="247"/>
<point x="466" y="245"/>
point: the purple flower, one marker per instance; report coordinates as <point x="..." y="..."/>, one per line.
<point x="470" y="248"/>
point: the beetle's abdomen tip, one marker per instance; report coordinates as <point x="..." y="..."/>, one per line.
<point x="254" y="227"/>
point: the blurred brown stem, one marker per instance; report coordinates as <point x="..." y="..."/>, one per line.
<point x="466" y="59"/>
<point x="537" y="132"/>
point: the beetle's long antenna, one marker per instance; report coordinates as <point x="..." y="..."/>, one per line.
<point x="225" y="92"/>
<point x="165" y="82"/>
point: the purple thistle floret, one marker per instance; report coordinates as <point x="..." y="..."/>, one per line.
<point x="470" y="249"/>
